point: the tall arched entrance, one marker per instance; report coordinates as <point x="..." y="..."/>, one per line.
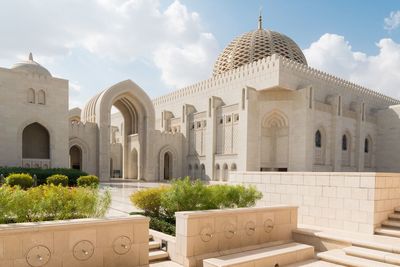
<point x="137" y="113"/>
<point x="75" y="157"/>
<point x="35" y="142"/>
<point x="167" y="166"/>
<point x="274" y="142"/>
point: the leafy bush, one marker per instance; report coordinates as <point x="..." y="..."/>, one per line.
<point x="57" y="179"/>
<point x="50" y="202"/>
<point x="160" y="204"/>
<point x="23" y="180"/>
<point x="149" y="200"/>
<point x="88" y="180"/>
<point x="42" y="174"/>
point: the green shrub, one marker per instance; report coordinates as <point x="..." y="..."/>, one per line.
<point x="149" y="200"/>
<point x="49" y="202"/>
<point x="88" y="180"/>
<point x="42" y="174"/>
<point x="161" y="203"/>
<point x="57" y="179"/>
<point x="185" y="195"/>
<point x="23" y="180"/>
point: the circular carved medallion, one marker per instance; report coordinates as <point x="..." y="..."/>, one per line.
<point x="206" y="234"/>
<point x="83" y="250"/>
<point x="38" y="256"/>
<point x="250" y="228"/>
<point x="121" y="245"/>
<point x="268" y="225"/>
<point x="229" y="230"/>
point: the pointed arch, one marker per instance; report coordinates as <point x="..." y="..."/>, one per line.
<point x="167" y="158"/>
<point x="42" y="97"/>
<point x="368" y="152"/>
<point x="319" y="145"/>
<point x="139" y="122"/>
<point x="35" y="142"/>
<point x="31" y="96"/>
<point x="346" y="149"/>
<point x="274" y="141"/>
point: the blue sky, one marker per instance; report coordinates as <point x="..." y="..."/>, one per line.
<point x="163" y="45"/>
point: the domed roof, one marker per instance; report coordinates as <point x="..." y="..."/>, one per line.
<point x="256" y="45"/>
<point x="31" y="67"/>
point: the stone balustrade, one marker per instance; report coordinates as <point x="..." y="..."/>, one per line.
<point x="74" y="243"/>
<point x="206" y="234"/>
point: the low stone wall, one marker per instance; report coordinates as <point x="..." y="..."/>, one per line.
<point x="206" y="234"/>
<point x="355" y="201"/>
<point x="112" y="242"/>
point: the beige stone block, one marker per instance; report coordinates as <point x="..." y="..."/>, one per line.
<point x="329" y="191"/>
<point x="43" y="238"/>
<point x="322" y="202"/>
<point x="6" y="263"/>
<point x="282" y="217"/>
<point x="367" y="182"/>
<point x="336" y="180"/>
<point x="343" y="192"/>
<point x="310" y="220"/>
<point x="61" y="242"/>
<point x="359" y="193"/>
<point x="107" y="234"/>
<point x="310" y="180"/>
<point x="350" y="226"/>
<point x="293" y="216"/>
<point x="141" y="233"/>
<point x="95" y="260"/>
<point x="322" y="180"/>
<point x="352" y="181"/>
<point x="12" y="247"/>
<point x="282" y="232"/>
<point x="336" y="203"/>
<point x="143" y="251"/>
<point x="78" y="235"/>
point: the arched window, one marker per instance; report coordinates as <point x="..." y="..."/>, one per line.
<point x="225" y="172"/>
<point x="233" y="167"/>
<point x="344" y="143"/>
<point x="366" y="146"/>
<point x="35" y="142"/>
<point x="319" y="147"/>
<point x="318" y="139"/>
<point x="217" y="172"/>
<point x="41" y="97"/>
<point x="368" y="155"/>
<point x="346" y="149"/>
<point x="75" y="155"/>
<point x="31" y="96"/>
<point x="203" y="172"/>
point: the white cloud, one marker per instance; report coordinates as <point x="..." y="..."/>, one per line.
<point x="393" y="21"/>
<point x="333" y="54"/>
<point x="120" y="30"/>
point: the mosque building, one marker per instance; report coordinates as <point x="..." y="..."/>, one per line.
<point x="263" y="109"/>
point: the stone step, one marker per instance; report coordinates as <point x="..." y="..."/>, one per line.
<point x="150" y="237"/>
<point x="272" y="256"/>
<point x="387" y="231"/>
<point x="394" y="216"/>
<point x="154" y="245"/>
<point x="397" y="209"/>
<point x="157" y="255"/>
<point x="314" y="263"/>
<point x="391" y="223"/>
<point x="338" y="256"/>
<point x="373" y="254"/>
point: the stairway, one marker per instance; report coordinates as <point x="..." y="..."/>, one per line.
<point x="155" y="252"/>
<point x="390" y="227"/>
<point x="360" y="257"/>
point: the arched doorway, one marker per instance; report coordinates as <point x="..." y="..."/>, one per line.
<point x="168" y="166"/>
<point x="274" y="142"/>
<point x="75" y="157"/>
<point x="35" y="142"/>
<point x="138" y="116"/>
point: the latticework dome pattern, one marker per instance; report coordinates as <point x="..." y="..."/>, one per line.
<point x="256" y="45"/>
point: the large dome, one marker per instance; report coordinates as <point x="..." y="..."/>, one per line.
<point x="256" y="45"/>
<point x="31" y="67"/>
